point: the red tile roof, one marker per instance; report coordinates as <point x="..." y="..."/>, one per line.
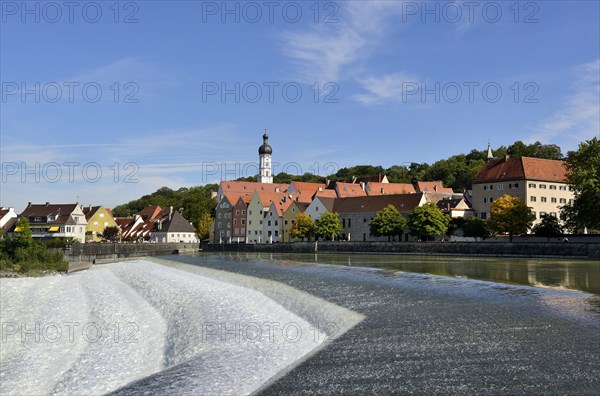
<point x="389" y="188"/>
<point x="346" y="190"/>
<point x="522" y="168"/>
<point x="327" y="193"/>
<point x="433" y="186"/>
<point x="150" y="212"/>
<point x="238" y="187"/>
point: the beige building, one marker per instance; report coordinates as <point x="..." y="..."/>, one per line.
<point x="540" y="183"/>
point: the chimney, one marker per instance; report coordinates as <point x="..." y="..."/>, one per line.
<point x="382" y="191"/>
<point x="47" y="203"/>
<point x="435" y="187"/>
<point x="90" y="207"/>
<point x="28" y="204"/>
<point x="506" y="157"/>
<point x="320" y="189"/>
<point x="327" y="181"/>
<point x="170" y="213"/>
<point x="276" y="189"/>
<point x="354" y="179"/>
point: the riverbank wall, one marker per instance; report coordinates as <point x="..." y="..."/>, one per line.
<point x="82" y="256"/>
<point x="489" y="249"/>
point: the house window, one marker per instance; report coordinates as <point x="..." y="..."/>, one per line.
<point x="106" y="224"/>
<point x="276" y="222"/>
<point x="243" y="212"/>
<point x="249" y="213"/>
<point x="285" y="222"/>
<point x="532" y="199"/>
<point x="349" y="223"/>
<point x="276" y="233"/>
<point x="269" y="223"/>
<point x="501" y="187"/>
<point x="243" y="231"/>
<point x="101" y="215"/>
<point x="270" y="214"/>
<point x="316" y="208"/>
<point x="513" y="185"/>
<point x="364" y="220"/>
<point x="543" y="186"/>
<point x="219" y="224"/>
<point x="553" y="200"/>
<point x="553" y="214"/>
<point x="544" y="199"/>
<point x="243" y="221"/>
<point x="563" y="200"/>
<point x="237" y="230"/>
<point x="552" y="187"/>
<point x="234" y="221"/>
<point x="562" y="188"/>
<point x="532" y="185"/>
<point x="38" y="219"/>
<point x="542" y="215"/>
<point x="219" y="215"/>
<point x="488" y="200"/>
<point x="237" y="212"/>
<point x="249" y="222"/>
<point x="228" y="225"/>
<point x="343" y="223"/>
<point x="293" y="209"/>
<point x="95" y="223"/>
<point x="261" y="222"/>
<point x="534" y="214"/>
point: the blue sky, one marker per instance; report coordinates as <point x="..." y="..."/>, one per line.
<point x="103" y="104"/>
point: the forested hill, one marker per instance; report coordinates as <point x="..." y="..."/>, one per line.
<point x="456" y="172"/>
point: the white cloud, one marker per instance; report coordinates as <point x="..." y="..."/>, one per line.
<point x="386" y="88"/>
<point x="325" y="51"/>
<point x="579" y="117"/>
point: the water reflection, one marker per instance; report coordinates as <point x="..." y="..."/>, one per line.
<point x="565" y="274"/>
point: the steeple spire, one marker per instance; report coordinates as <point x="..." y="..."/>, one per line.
<point x="490" y="155"/>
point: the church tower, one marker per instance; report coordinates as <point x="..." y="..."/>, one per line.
<point x="265" y="175"/>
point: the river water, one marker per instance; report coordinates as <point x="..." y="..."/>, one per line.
<point x="220" y="323"/>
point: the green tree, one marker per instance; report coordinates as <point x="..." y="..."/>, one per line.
<point x="303" y="226"/>
<point x="549" y="227"/>
<point x="427" y="221"/>
<point x="474" y="227"/>
<point x="111" y="233"/>
<point x="204" y="225"/>
<point x="328" y="226"/>
<point x="388" y="222"/>
<point x="583" y="176"/>
<point x="23" y="236"/>
<point x="510" y="215"/>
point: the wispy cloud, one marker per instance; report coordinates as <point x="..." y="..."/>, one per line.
<point x="325" y="52"/>
<point x="579" y="118"/>
<point x="386" y="88"/>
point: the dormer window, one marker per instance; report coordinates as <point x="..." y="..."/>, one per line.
<point x="37" y="219"/>
<point x="51" y="218"/>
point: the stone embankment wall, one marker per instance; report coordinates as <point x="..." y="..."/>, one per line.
<point x="493" y="249"/>
<point x="81" y="256"/>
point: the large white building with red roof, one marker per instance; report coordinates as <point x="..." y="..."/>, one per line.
<point x="540" y="183"/>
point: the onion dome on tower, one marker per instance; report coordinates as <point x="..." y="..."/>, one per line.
<point x="265" y="148"/>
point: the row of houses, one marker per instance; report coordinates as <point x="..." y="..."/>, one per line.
<point x="87" y="223"/>
<point x="249" y="212"/>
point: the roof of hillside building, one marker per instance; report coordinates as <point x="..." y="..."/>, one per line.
<point x="328" y="202"/>
<point x="239" y="187"/>
<point x="346" y="190"/>
<point x="307" y="190"/>
<point x="403" y="202"/>
<point x="433" y="186"/>
<point x="446" y="204"/>
<point x="177" y="223"/>
<point x="389" y="188"/>
<point x="90" y="211"/>
<point x="523" y="168"/>
<point x="327" y="193"/>
<point x="150" y="212"/>
<point x="266" y="197"/>
<point x="62" y="213"/>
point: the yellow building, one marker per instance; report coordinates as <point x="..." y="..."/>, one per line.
<point x="98" y="218"/>
<point x="540" y="183"/>
<point x="289" y="218"/>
